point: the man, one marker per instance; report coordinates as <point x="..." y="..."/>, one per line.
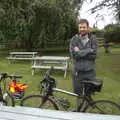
<point x="83" y="49"/>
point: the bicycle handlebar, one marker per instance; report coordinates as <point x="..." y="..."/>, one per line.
<point x="48" y="81"/>
<point x="49" y="72"/>
<point x="5" y="75"/>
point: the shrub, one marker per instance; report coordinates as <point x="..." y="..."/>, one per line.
<point x="112" y="33"/>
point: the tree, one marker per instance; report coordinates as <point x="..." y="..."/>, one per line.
<point x="16" y="20"/>
<point x="112" y="33"/>
<point x="110" y="4"/>
<point x="35" y="24"/>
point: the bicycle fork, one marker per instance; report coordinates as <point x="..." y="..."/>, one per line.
<point x="43" y="101"/>
<point x="1" y="95"/>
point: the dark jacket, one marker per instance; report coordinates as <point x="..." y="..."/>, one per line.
<point x="84" y="59"/>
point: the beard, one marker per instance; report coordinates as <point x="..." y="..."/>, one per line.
<point x="83" y="33"/>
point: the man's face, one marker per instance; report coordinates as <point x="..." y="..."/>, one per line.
<point x="83" y="29"/>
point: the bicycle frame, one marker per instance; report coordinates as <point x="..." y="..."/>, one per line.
<point x="65" y="92"/>
<point x="84" y="99"/>
<point x="48" y="85"/>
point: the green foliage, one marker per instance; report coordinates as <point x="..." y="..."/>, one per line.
<point x="97" y="31"/>
<point x="112" y="33"/>
<point x="35" y="24"/>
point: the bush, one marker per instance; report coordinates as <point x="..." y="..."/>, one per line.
<point x="112" y="33"/>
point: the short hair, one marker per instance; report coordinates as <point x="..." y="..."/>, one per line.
<point x="83" y="21"/>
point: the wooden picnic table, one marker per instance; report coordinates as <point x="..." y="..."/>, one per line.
<point x="45" y="62"/>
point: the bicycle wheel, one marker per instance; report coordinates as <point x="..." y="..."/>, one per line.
<point x="38" y="101"/>
<point x="9" y="99"/>
<point x="3" y="103"/>
<point x="104" y="107"/>
<point x="6" y="100"/>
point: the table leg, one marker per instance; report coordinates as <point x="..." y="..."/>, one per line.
<point x="33" y="71"/>
<point x="65" y="73"/>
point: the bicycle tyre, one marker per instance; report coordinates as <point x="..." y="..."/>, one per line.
<point x="9" y="100"/>
<point x="103" y="107"/>
<point x="35" y="102"/>
<point x="3" y="103"/>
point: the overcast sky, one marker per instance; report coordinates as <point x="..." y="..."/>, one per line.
<point x="101" y="21"/>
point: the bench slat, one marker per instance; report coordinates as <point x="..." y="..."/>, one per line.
<point x="23" y="53"/>
<point x="15" y="58"/>
<point x="48" y="67"/>
<point x="21" y="56"/>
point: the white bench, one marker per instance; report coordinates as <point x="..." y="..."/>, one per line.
<point x="29" y="113"/>
<point x="45" y="62"/>
<point x="21" y="55"/>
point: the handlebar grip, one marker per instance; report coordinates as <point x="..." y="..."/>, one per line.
<point x="5" y="75"/>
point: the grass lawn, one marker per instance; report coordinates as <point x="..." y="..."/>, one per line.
<point x="107" y="68"/>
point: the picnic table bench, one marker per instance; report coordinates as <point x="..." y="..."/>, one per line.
<point x="21" y="55"/>
<point x="45" y="62"/>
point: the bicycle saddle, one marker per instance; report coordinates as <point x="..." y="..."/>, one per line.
<point x="95" y="85"/>
<point x="95" y="82"/>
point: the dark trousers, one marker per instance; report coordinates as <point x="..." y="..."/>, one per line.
<point x="81" y="76"/>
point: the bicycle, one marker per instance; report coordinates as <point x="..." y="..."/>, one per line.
<point x="48" y="100"/>
<point x="10" y="91"/>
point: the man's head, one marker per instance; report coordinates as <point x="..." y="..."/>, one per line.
<point x="83" y="27"/>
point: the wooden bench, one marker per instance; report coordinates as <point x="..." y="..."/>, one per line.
<point x="21" y="56"/>
<point x="45" y="62"/>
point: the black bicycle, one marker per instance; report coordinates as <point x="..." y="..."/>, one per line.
<point x="48" y="100"/>
<point x="10" y="90"/>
